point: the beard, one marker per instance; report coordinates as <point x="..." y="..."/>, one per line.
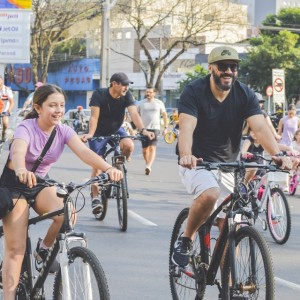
<point x="219" y="84"/>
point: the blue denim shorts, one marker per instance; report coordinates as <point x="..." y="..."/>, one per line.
<point x="100" y="147"/>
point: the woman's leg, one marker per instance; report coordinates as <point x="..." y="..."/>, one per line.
<point x="45" y="202"/>
<point x="15" y="232"/>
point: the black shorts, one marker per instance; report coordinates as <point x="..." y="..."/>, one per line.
<point x="17" y="189"/>
<point x="146" y="143"/>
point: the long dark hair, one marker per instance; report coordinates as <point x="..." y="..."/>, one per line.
<point x="40" y="96"/>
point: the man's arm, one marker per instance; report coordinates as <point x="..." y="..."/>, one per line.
<point x="165" y="119"/>
<point x="95" y="114"/>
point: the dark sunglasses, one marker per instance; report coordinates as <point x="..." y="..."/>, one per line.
<point x="222" y="67"/>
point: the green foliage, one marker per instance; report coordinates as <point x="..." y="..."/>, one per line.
<point x="73" y="46"/>
<point x="274" y="50"/>
<point x="197" y="72"/>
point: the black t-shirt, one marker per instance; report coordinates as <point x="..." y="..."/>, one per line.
<point x="218" y="132"/>
<point x="112" y="111"/>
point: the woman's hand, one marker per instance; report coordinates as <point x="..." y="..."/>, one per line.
<point x="114" y="174"/>
<point x="26" y="177"/>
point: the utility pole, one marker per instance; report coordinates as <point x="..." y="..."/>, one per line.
<point x="107" y="5"/>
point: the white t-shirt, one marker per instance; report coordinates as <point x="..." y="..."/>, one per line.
<point x="6" y="93"/>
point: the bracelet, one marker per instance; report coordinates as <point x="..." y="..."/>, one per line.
<point x="107" y="169"/>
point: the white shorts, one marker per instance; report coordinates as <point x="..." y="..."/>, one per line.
<point x="198" y="181"/>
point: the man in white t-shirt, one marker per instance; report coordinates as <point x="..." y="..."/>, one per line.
<point x="7" y="104"/>
<point x="151" y="110"/>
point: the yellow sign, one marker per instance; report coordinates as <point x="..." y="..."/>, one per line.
<point x="20" y="4"/>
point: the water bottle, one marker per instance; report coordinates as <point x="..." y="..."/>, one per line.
<point x="260" y="192"/>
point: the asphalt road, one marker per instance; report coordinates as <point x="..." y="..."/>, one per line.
<point x="136" y="262"/>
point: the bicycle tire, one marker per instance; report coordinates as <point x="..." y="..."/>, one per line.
<point x="182" y="286"/>
<point x="104" y="200"/>
<point x="170" y="137"/>
<point x="78" y="257"/>
<point x="1" y="260"/>
<point x="121" y="197"/>
<point x="259" y="257"/>
<point x="278" y="216"/>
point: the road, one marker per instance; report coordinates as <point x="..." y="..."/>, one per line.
<point x="136" y="262"/>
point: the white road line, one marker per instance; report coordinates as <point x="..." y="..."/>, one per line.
<point x="140" y="218"/>
<point x="287" y="283"/>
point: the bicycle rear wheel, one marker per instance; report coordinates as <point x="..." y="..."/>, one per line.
<point x="86" y="277"/>
<point x="122" y="200"/>
<point x="278" y="216"/>
<point x="170" y="137"/>
<point x="1" y="260"/>
<point x="254" y="270"/>
<point x="104" y="200"/>
<point x="182" y="282"/>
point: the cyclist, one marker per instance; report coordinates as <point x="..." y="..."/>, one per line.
<point x="79" y="118"/>
<point x="108" y="107"/>
<point x="29" y="139"/>
<point x="7" y="99"/>
<point x="28" y="102"/>
<point x="212" y="111"/>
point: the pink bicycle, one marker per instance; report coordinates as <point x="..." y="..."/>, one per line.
<point x="294" y="179"/>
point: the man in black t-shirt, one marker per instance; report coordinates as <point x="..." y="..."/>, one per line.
<point x="108" y="107"/>
<point x="212" y="111"/>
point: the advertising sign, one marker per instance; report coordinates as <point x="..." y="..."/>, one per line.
<point x="278" y="85"/>
<point x="20" y="4"/>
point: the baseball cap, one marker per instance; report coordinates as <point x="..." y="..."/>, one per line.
<point x="38" y="84"/>
<point x="259" y="97"/>
<point x="223" y="53"/>
<point x="120" y="78"/>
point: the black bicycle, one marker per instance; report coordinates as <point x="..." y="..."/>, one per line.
<point x="243" y="254"/>
<point x="119" y="190"/>
<point x="80" y="275"/>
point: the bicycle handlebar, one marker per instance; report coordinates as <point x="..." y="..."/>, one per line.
<point x="117" y="137"/>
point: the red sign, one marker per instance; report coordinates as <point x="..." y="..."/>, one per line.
<point x="269" y="91"/>
<point x="278" y="85"/>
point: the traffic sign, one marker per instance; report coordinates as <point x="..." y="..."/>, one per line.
<point x="278" y="85"/>
<point x="269" y="91"/>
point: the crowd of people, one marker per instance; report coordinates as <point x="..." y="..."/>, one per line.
<point x="212" y="111"/>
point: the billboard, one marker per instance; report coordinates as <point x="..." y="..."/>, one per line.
<point x="19" y="4"/>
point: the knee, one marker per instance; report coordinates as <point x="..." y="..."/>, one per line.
<point x="209" y="197"/>
<point x="58" y="220"/>
<point x="14" y="249"/>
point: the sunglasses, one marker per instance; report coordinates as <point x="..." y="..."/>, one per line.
<point x="222" y="67"/>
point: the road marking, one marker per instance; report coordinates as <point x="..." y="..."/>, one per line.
<point x="140" y="218"/>
<point x="288" y="283"/>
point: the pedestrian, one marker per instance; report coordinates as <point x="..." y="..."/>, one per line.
<point x="288" y="125"/>
<point x="108" y="107"/>
<point x="29" y="140"/>
<point x="212" y="111"/>
<point x="151" y="110"/>
<point x="28" y="102"/>
<point x="295" y="144"/>
<point x="7" y="104"/>
<point x="79" y="119"/>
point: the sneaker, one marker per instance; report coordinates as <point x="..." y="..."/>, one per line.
<point x="96" y="206"/>
<point x="147" y="170"/>
<point x="181" y="253"/>
<point x="41" y="255"/>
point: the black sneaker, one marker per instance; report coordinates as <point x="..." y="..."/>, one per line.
<point x="181" y="252"/>
<point x="41" y="255"/>
<point x="97" y="206"/>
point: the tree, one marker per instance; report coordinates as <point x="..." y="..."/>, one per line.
<point x="165" y="30"/>
<point x="274" y="49"/>
<point x="51" y="24"/>
<point x="198" y="72"/>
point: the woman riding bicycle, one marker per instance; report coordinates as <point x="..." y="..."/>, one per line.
<point x="30" y="138"/>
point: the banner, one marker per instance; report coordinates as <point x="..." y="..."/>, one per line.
<point x="20" y="4"/>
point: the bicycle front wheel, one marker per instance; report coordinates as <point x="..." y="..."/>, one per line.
<point x="104" y="200"/>
<point x="86" y="277"/>
<point x="170" y="137"/>
<point x="183" y="284"/>
<point x="1" y="261"/>
<point x="253" y="268"/>
<point x="122" y="200"/>
<point x="278" y="216"/>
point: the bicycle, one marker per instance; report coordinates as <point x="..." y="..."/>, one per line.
<point x="242" y="253"/>
<point x="266" y="197"/>
<point x="119" y="190"/>
<point x="172" y="134"/>
<point x="80" y="275"/>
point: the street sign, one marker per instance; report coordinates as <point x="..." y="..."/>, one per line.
<point x="269" y="91"/>
<point x="278" y="85"/>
